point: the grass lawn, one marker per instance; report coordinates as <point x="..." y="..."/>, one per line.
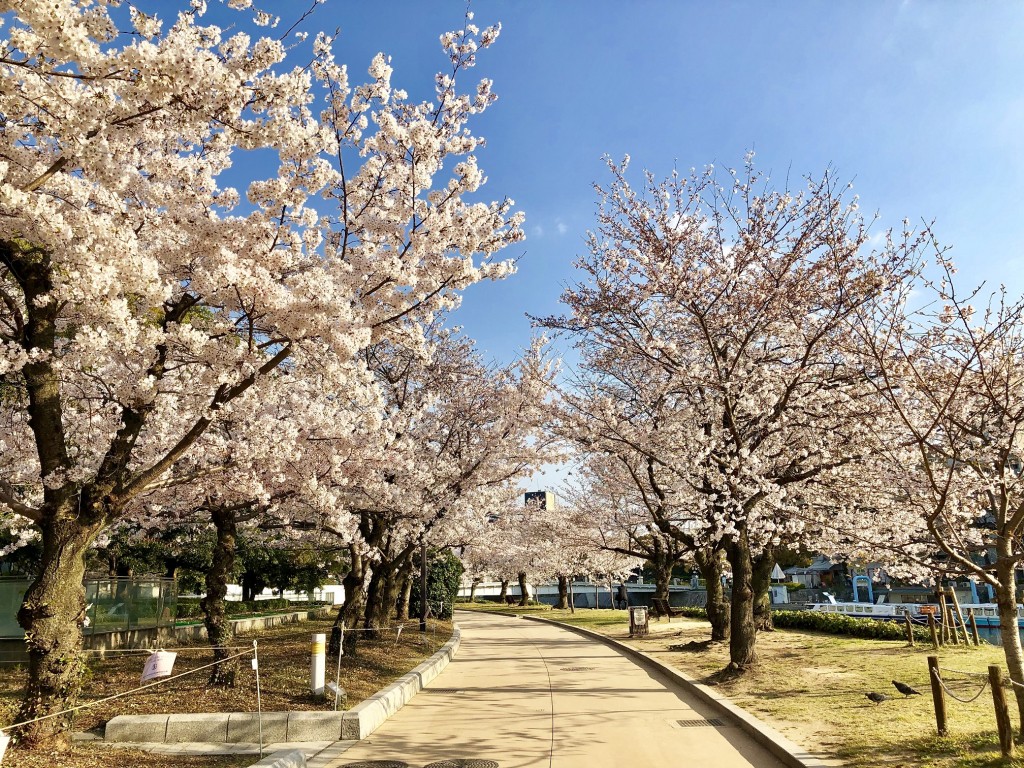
<point x="284" y="653"/>
<point x="811" y="687"/>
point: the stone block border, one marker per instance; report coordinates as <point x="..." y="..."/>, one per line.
<point x="290" y="758"/>
<point x="788" y="752"/>
<point x="243" y="727"/>
<point x="366" y="717"/>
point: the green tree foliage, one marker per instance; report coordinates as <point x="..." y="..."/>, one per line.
<point x="444" y="572"/>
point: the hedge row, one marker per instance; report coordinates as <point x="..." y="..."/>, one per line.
<point x="188" y="608"/>
<point x="841" y="624"/>
<point x="832" y="623"/>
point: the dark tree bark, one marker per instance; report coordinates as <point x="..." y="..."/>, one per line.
<point x="503" y="592"/>
<point x="524" y="598"/>
<point x="52" y="614"/>
<point x="472" y="590"/>
<point x="661" y="563"/>
<point x="761" y="581"/>
<point x="218" y="628"/>
<point x="743" y="630"/>
<point x="351" y="611"/>
<point x="563" y="592"/>
<point x="718" y="609"/>
<point x="404" y="593"/>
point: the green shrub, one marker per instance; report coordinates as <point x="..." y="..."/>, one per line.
<point x="841" y="624"/>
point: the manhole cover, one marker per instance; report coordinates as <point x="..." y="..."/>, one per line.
<point x="463" y="763"/>
<point x="577" y="669"/>
<point x="700" y="723"/>
<point x="377" y="764"/>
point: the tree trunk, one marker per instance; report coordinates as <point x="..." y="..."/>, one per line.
<point x="52" y="615"/>
<point x="761" y="581"/>
<point x="472" y="589"/>
<point x="351" y="610"/>
<point x="563" y="593"/>
<point x="1009" y="634"/>
<point x="662" y="564"/>
<point x="743" y="631"/>
<point x="218" y="628"/>
<point x="373" y="612"/>
<point x="709" y="563"/>
<point x="524" y="598"/>
<point x="503" y="592"/>
<point x="404" y="594"/>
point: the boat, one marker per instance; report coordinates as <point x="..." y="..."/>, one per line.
<point x="985" y="614"/>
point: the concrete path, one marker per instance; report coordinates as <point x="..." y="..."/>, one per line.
<point x="522" y="693"/>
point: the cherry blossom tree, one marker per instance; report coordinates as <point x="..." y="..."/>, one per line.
<point x="628" y="519"/>
<point x="140" y="299"/>
<point x="455" y="435"/>
<point x="949" y="492"/>
<point x="720" y="320"/>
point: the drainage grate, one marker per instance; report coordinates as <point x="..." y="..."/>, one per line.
<point x="577" y="669"/>
<point x="442" y="690"/>
<point x="701" y="722"/>
<point x="460" y="762"/>
<point x="377" y="764"/>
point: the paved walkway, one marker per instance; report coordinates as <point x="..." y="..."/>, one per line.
<point x="525" y="694"/>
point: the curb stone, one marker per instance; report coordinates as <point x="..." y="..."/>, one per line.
<point x="286" y="759"/>
<point x="787" y="751"/>
<point x="231" y="727"/>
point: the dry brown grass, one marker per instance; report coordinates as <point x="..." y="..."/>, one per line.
<point x="284" y="655"/>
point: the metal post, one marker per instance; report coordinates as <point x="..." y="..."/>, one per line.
<point x="259" y="697"/>
<point x="995" y="679"/>
<point x="938" y="695"/>
<point x="337" y="676"/>
<point x="318" y="664"/>
<point x="423" y="587"/>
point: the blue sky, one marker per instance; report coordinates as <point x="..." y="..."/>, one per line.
<point x="921" y="104"/>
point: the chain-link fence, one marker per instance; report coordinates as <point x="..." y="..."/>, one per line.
<point x="111" y="604"/>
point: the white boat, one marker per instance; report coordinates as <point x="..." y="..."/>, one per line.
<point x="890" y="611"/>
<point x="985" y="614"/>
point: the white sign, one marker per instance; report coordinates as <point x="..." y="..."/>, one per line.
<point x="159" y="664"/>
<point x="4" y="741"/>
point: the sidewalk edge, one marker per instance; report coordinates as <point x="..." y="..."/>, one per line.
<point x="787" y="751"/>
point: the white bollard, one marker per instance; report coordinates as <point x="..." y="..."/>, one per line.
<point x="317" y="664"/>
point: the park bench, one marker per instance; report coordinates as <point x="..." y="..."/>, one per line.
<point x="660" y="607"/>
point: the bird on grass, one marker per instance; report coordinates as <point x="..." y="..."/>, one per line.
<point x="905" y="689"/>
<point x="878" y="698"/>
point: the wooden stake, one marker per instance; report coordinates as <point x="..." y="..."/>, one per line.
<point x="995" y="680"/>
<point x="948" y="628"/>
<point x="910" y="630"/>
<point x="935" y="632"/>
<point x="960" y="614"/>
<point x="974" y="628"/>
<point x="938" y="695"/>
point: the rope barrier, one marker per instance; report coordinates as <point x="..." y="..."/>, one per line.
<point x="942" y="683"/>
<point x="124" y="693"/>
<point x="965" y="674"/>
